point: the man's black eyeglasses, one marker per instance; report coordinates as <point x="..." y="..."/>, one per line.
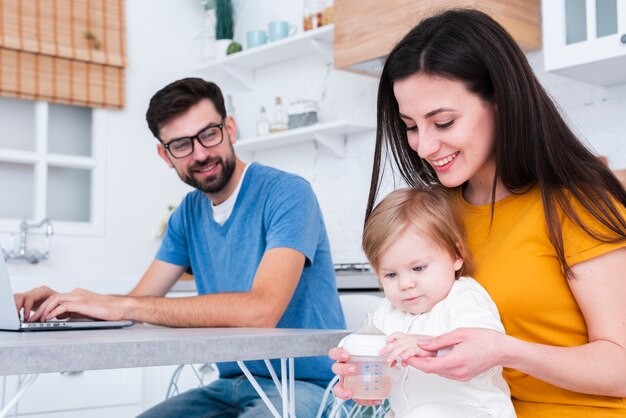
<point x="208" y="137"/>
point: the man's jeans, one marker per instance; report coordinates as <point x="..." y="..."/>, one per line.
<point x="235" y="397"/>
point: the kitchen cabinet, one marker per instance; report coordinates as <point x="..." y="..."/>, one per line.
<point x="586" y="39"/>
<point x="94" y="393"/>
<point x="366" y="30"/>
<point x="120" y="412"/>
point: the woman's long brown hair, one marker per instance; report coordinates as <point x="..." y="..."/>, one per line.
<point x="533" y="144"/>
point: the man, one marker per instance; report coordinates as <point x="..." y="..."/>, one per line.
<point x="255" y="240"/>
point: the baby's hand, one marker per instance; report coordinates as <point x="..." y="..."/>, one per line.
<point x="402" y="346"/>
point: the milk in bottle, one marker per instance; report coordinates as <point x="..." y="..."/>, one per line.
<point x="372" y="379"/>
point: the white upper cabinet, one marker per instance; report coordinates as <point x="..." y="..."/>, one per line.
<point x="586" y="39"/>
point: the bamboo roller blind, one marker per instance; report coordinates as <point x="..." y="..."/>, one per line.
<point x="63" y="51"/>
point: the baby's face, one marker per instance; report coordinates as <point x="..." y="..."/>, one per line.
<point x="416" y="273"/>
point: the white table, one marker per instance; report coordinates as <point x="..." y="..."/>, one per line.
<point x="145" y="345"/>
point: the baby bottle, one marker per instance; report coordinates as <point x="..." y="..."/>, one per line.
<point x="372" y="379"/>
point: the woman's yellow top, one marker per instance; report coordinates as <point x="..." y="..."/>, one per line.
<point x="518" y="266"/>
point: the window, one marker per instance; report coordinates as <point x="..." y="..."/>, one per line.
<point x="51" y="165"/>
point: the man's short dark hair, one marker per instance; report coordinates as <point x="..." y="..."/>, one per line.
<point x="178" y="97"/>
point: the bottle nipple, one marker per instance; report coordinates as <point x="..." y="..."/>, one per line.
<point x="369" y="328"/>
<point x="369" y="323"/>
<point x="367" y="340"/>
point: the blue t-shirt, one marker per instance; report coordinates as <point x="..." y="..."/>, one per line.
<point x="273" y="209"/>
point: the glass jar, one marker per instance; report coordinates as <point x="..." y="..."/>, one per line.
<point x="327" y="13"/>
<point x="262" y="124"/>
<point x="313" y="14"/>
<point x="280" y="122"/>
<point x="302" y="113"/>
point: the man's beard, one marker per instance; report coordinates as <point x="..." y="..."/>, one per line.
<point x="212" y="184"/>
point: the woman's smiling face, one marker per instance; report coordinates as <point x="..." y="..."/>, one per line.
<point x="449" y="127"/>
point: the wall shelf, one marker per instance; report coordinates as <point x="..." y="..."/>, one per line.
<point x="330" y="135"/>
<point x="238" y="70"/>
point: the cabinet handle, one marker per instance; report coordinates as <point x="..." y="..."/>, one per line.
<point x="73" y="373"/>
<point x="623" y="38"/>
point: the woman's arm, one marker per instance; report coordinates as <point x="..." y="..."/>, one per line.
<point x="597" y="368"/>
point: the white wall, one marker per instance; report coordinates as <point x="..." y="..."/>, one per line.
<point x="596" y="113"/>
<point x="165" y="41"/>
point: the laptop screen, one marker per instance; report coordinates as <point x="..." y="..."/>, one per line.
<point x="9" y="318"/>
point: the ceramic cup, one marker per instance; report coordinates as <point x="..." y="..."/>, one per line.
<point x="279" y="29"/>
<point x="255" y="38"/>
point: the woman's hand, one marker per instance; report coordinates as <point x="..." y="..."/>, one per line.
<point x="473" y="352"/>
<point x="403" y="346"/>
<point x="342" y="369"/>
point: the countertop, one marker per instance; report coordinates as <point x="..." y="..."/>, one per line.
<point x="346" y="280"/>
<point x="143" y="345"/>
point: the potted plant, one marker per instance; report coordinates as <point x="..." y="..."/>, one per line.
<point x="224" y="26"/>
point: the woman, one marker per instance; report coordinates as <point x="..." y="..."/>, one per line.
<point x="459" y="105"/>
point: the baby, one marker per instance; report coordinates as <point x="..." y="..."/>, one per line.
<point x="415" y="242"/>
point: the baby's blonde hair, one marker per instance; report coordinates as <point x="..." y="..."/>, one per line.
<point x="428" y="212"/>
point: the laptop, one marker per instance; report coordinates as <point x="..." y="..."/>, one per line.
<point x="10" y="320"/>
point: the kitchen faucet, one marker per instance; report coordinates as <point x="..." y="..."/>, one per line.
<point x="31" y="255"/>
